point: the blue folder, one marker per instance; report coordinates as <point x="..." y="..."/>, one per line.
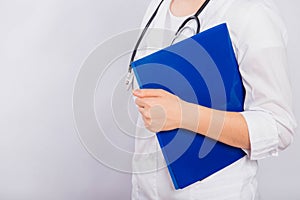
<point x="201" y="69"/>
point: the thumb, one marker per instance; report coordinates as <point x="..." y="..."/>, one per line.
<point x="148" y="93"/>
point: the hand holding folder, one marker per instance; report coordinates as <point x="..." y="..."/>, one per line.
<point x="201" y="70"/>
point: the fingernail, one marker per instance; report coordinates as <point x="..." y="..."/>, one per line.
<point x="136" y="92"/>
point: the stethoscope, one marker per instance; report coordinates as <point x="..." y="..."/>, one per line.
<point x="182" y="27"/>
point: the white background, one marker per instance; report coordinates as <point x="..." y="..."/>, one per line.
<point x="42" y="45"/>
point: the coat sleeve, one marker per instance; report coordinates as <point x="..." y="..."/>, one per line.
<point x="263" y="66"/>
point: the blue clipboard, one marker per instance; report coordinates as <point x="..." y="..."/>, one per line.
<point x="201" y="69"/>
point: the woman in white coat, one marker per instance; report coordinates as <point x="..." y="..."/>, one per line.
<point x="265" y="127"/>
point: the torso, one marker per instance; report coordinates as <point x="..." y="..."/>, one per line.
<point x="237" y="181"/>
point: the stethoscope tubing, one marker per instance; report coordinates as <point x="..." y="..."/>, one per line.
<point x="180" y="29"/>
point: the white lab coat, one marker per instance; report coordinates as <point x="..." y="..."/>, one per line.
<point x="259" y="39"/>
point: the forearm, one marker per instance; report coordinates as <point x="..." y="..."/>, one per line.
<point x="227" y="127"/>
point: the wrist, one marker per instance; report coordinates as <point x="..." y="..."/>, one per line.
<point x="190" y="116"/>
